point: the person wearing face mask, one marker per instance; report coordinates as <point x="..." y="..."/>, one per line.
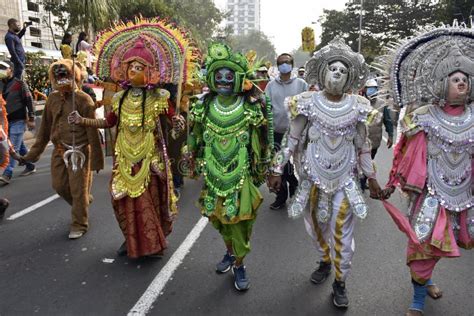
<point x="433" y="161"/>
<point x="329" y="143"/>
<point x="231" y="146"/>
<point x="375" y="130"/>
<point x="283" y="86"/>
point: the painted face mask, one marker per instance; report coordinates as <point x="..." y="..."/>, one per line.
<point x="458" y="88"/>
<point x="136" y="74"/>
<point x="336" y="78"/>
<point x="225" y="79"/>
<point x="63" y="77"/>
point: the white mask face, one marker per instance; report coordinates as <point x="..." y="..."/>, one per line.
<point x="458" y="88"/>
<point x="336" y="78"/>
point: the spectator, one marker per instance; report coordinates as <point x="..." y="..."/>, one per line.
<point x="83" y="45"/>
<point x="15" y="47"/>
<point x="20" y="114"/>
<point x="301" y="72"/>
<point x="283" y="86"/>
<point x="66" y="49"/>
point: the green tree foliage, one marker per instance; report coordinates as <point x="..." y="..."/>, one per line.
<point x="386" y="20"/>
<point x="36" y="71"/>
<point x="254" y="40"/>
<point x="200" y="17"/>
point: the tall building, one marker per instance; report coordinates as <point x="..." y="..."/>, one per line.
<point x="39" y="34"/>
<point x="10" y="9"/>
<point x="244" y="15"/>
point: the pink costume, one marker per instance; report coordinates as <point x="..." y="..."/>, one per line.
<point x="449" y="228"/>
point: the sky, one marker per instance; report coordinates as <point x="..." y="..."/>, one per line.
<point x="283" y="20"/>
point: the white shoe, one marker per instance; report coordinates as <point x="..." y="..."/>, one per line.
<point x="75" y="235"/>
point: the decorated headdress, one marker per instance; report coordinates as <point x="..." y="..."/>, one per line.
<point x="169" y="56"/>
<point x="221" y="56"/>
<point x="337" y="50"/>
<point x="416" y="69"/>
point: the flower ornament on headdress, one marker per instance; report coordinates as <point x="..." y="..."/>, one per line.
<point x="418" y="67"/>
<point x="221" y="56"/>
<point x="337" y="50"/>
<point x="158" y="45"/>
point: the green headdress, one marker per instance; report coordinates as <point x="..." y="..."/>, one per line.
<point x="221" y="56"/>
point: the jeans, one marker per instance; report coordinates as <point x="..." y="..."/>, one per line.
<point x="16" y="130"/>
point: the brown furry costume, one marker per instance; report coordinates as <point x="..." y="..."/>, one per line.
<point x="73" y="187"/>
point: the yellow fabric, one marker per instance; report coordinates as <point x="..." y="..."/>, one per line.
<point x="313" y="208"/>
<point x="338" y="237"/>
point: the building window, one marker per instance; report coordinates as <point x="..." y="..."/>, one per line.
<point x="34" y="31"/>
<point x="33" y="6"/>
<point x="33" y="19"/>
<point x="35" y="44"/>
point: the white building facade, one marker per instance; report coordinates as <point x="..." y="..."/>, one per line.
<point x="244" y="16"/>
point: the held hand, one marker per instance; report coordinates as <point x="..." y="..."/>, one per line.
<point x="74" y="118"/>
<point x="387" y="192"/>
<point x="30" y="125"/>
<point x="389" y="143"/>
<point x="274" y="183"/>
<point x="375" y="190"/>
<point x="179" y="123"/>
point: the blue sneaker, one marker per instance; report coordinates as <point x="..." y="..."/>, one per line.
<point x="241" y="282"/>
<point x="226" y="263"/>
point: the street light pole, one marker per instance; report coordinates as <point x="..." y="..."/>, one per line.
<point x="360" y="24"/>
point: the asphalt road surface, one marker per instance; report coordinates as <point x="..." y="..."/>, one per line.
<point x="44" y="273"/>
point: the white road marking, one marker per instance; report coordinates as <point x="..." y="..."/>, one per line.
<point x="145" y="302"/>
<point x="33" y="207"/>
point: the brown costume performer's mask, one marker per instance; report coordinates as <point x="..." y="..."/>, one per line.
<point x="61" y="75"/>
<point x="458" y="88"/>
<point x="136" y="74"/>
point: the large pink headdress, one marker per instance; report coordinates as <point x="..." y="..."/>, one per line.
<point x="166" y="52"/>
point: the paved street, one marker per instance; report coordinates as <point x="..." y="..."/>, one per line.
<point x="44" y="273"/>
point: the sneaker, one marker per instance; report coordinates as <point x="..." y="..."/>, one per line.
<point x="321" y="273"/>
<point x="27" y="172"/>
<point x="226" y="263"/>
<point x="5" y="179"/>
<point x="277" y="205"/>
<point x="75" y="235"/>
<point x="241" y="282"/>
<point x="339" y="294"/>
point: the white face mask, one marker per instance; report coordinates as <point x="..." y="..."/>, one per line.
<point x="336" y="78"/>
<point x="458" y="88"/>
<point x="3" y="74"/>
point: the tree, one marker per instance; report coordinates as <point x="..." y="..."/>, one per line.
<point x="36" y="71"/>
<point x="200" y="17"/>
<point x="254" y="40"/>
<point x="385" y="21"/>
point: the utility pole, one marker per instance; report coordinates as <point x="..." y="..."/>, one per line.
<point x="360" y="24"/>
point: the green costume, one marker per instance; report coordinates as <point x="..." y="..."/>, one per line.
<point x="232" y="145"/>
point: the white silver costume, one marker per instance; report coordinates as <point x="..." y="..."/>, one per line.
<point x="329" y="144"/>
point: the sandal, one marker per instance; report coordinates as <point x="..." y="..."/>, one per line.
<point x="414" y="312"/>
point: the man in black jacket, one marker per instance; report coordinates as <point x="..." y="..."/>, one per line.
<point x="20" y="115"/>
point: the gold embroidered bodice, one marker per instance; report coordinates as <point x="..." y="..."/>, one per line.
<point x="136" y="143"/>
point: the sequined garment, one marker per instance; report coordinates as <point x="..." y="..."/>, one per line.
<point x="450" y="148"/>
<point x="330" y="158"/>
<point x="227" y="133"/>
<point x="136" y="144"/>
<point x="331" y="140"/>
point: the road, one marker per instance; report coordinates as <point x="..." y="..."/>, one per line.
<point x="44" y="273"/>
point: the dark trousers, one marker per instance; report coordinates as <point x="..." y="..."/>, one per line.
<point x="289" y="183"/>
<point x="18" y="69"/>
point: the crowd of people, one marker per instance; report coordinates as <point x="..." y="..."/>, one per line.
<point x="310" y="133"/>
